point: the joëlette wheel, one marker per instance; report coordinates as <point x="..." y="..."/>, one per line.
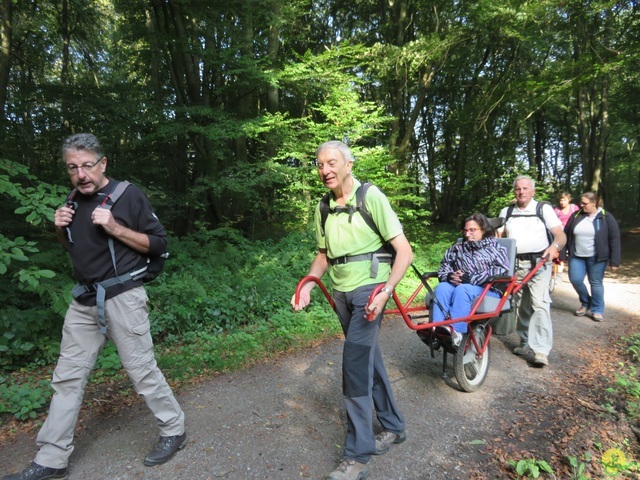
<point x="471" y="369"/>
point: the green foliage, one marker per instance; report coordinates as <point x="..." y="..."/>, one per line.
<point x="36" y="199"/>
<point x="31" y="314"/>
<point x="531" y="468"/>
<point x="579" y="467"/>
<point x="14" y="250"/>
<point x="626" y="390"/>
<point x="216" y="281"/>
<point x="337" y="112"/>
<point x="24" y="400"/>
<point x="107" y="365"/>
<point x="28" y="336"/>
<point x="285" y="330"/>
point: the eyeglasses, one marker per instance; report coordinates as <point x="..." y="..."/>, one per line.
<point x="86" y="167"/>
<point x="470" y="230"/>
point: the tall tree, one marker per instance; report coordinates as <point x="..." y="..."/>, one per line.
<point x="6" y="29"/>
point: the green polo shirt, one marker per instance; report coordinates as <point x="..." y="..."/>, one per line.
<point x="343" y="237"/>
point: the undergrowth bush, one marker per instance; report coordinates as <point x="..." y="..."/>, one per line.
<point x="626" y="391"/>
<point x="24" y="399"/>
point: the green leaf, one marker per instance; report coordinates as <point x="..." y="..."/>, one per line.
<point x="477" y="442"/>
<point x="26" y="347"/>
<point x="46" y="273"/>
<point x="545" y="466"/>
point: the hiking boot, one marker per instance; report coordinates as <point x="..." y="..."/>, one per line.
<point x="386" y="438"/>
<point x="597" y="317"/>
<point x="349" y="469"/>
<point x="37" y="472"/>
<point x="165" y="449"/>
<point x="523" y="350"/>
<point x="540" y="360"/>
<point x="581" y="312"/>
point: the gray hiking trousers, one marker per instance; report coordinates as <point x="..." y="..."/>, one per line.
<point x="365" y="383"/>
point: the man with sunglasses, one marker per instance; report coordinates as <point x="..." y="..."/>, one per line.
<point x="533" y="302"/>
<point x="85" y="229"/>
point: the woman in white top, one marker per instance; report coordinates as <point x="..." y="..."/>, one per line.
<point x="593" y="242"/>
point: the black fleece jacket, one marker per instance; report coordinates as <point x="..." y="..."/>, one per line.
<point x="89" y="251"/>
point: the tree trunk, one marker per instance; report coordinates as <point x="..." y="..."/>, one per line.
<point x="6" y="29"/>
<point x="601" y="139"/>
<point x="155" y="57"/>
<point x="540" y="144"/>
<point x="64" y="70"/>
<point x="273" y="46"/>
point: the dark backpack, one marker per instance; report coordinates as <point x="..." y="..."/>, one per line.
<point x="538" y="214"/>
<point x="361" y="208"/>
<point x="155" y="263"/>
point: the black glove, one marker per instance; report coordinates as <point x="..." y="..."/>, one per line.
<point x="466" y="278"/>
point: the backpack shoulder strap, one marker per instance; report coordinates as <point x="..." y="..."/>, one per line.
<point x="71" y="196"/>
<point x="69" y="202"/>
<point x="509" y="211"/>
<point x="108" y="202"/>
<point x="539" y="208"/>
<point x="361" y="206"/>
<point x="325" y="209"/>
<point x="111" y="198"/>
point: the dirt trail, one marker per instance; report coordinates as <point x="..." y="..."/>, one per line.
<point x="284" y="419"/>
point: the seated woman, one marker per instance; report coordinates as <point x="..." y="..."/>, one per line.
<point x="465" y="270"/>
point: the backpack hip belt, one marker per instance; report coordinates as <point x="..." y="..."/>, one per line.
<point x="376" y="257"/>
<point x="101" y="292"/>
<point x="531" y="257"/>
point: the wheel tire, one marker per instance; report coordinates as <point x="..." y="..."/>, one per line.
<point x="471" y="370"/>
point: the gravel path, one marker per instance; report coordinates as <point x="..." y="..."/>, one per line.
<point x="284" y="419"/>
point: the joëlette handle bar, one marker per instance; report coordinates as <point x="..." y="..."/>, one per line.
<point x="317" y="281"/>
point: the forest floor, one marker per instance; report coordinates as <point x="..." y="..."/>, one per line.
<point x="283" y="418"/>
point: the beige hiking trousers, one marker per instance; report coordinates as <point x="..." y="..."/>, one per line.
<point x="128" y="327"/>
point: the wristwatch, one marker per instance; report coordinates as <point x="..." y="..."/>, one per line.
<point x="387" y="290"/>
